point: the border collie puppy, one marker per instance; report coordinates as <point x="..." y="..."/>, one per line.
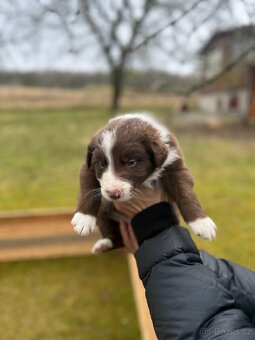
<point x="131" y="151"/>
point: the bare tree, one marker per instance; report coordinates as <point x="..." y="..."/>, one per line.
<point x="123" y="30"/>
<point x="120" y="28"/>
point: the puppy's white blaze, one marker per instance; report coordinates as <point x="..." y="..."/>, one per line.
<point x="83" y="224"/>
<point x="171" y="158"/>
<point x="108" y="140"/>
<point x="146" y="117"/>
<point x="204" y="227"/>
<point x="109" y="181"/>
<point x="102" y="245"/>
<point x="108" y="177"/>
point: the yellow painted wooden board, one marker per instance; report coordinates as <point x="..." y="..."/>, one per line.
<point x="145" y="322"/>
<point x="45" y="234"/>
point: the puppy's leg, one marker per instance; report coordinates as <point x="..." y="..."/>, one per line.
<point x="84" y="220"/>
<point x="179" y="184"/>
<point x="109" y="229"/>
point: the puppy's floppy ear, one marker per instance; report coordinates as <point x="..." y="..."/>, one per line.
<point x="90" y="150"/>
<point x="159" y="152"/>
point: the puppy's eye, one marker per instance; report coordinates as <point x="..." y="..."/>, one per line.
<point x="102" y="165"/>
<point x="131" y="163"/>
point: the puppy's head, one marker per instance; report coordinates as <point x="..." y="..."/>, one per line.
<point x="124" y="155"/>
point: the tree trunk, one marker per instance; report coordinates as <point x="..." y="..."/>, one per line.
<point x="117" y="77"/>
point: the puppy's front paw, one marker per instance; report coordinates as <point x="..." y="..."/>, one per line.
<point x="102" y="245"/>
<point x="83" y="224"/>
<point x="204" y="227"/>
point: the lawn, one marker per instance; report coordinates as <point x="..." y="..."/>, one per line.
<point x="224" y="170"/>
<point x="41" y="156"/>
<point x="74" y="298"/>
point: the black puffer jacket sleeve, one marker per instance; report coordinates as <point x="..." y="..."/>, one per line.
<point x="185" y="298"/>
<point x="239" y="281"/>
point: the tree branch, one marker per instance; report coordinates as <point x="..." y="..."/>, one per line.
<point x="96" y="30"/>
<point x="136" y="26"/>
<point x="225" y="70"/>
<point x="46" y="8"/>
<point x="205" y="19"/>
<point x="169" y="24"/>
<point x="199" y="86"/>
<point x="64" y="23"/>
<point x="130" y="10"/>
<point x="113" y="29"/>
<point x="101" y="11"/>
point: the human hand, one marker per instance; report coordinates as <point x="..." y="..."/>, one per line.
<point x="144" y="198"/>
<point x="128" y="236"/>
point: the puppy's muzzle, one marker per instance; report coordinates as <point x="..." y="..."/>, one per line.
<point x="114" y="194"/>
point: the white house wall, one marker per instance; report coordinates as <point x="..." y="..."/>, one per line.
<point x="244" y="99"/>
<point x="209" y="102"/>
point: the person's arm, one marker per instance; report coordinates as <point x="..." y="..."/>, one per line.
<point x="185" y="298"/>
<point x="238" y="280"/>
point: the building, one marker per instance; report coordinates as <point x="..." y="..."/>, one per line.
<point x="234" y="91"/>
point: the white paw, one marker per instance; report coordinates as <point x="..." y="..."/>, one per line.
<point x="102" y="245"/>
<point x="83" y="224"/>
<point x="204" y="227"/>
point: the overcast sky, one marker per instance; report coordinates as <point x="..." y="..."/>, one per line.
<point x="46" y="51"/>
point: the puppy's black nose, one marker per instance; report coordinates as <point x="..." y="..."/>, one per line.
<point x="114" y="194"/>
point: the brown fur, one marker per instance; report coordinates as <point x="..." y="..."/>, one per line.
<point x="135" y="139"/>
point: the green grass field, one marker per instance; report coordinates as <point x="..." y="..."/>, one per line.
<point x="224" y="172"/>
<point x="41" y="153"/>
<point x="41" y="156"/>
<point x="74" y="298"/>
